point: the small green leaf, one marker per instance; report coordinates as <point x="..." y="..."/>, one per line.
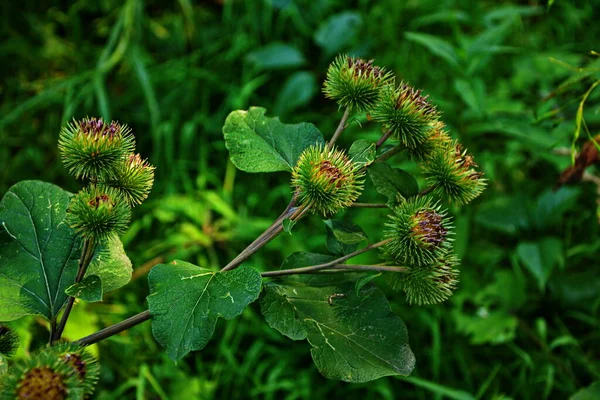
<point x="552" y="205"/>
<point x="362" y="152"/>
<point x="361" y="282"/>
<point x="185" y="302"/>
<point x="39" y="253"/>
<point x="345" y="231"/>
<point x="339" y="32"/>
<point x="257" y="143"/>
<point x="354" y="338"/>
<point x="276" y="56"/>
<point x="111" y="264"/>
<point x="343" y="237"/>
<point x="390" y="181"/>
<point x="288" y="224"/>
<point x="435" y="45"/>
<point x="541" y="257"/>
<point x="509" y="215"/>
<point x="305" y="259"/>
<point x="297" y="91"/>
<point x="89" y="289"/>
<point x="564" y="340"/>
<point x="494" y="327"/>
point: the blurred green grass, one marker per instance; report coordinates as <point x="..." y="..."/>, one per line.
<point x="524" y="322"/>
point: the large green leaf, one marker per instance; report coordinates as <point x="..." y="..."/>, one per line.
<point x="38" y="252"/>
<point x="185" y="302"/>
<point x="354" y="337"/>
<point x="257" y="143"/>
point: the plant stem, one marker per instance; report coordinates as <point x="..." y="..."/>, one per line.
<point x="114" y="329"/>
<point x="86" y="257"/>
<point x="334" y="265"/>
<point x="270" y="233"/>
<point x="340" y="128"/>
<point x="52" y="329"/>
<point x="388" y="154"/>
<point x="368" y="205"/>
<point x="426" y="191"/>
<point x="327" y="265"/>
<point x="382" y="139"/>
<point x="334" y="268"/>
<point x="291" y="213"/>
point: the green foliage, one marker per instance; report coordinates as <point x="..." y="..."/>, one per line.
<point x="346" y="345"/>
<point x="110" y="262"/>
<point x="508" y="79"/>
<point x="362" y="152"/>
<point x="185" y="302"/>
<point x="44" y="246"/>
<point x="89" y="289"/>
<point x="260" y="144"/>
<point x="35" y="242"/>
<point x="392" y="182"/>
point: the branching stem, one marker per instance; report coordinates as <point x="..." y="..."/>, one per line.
<point x="114" y="329"/>
<point x="328" y="265"/>
<point x="368" y="205"/>
<point x="271" y="232"/>
<point x="334" y="265"/>
<point x="86" y="257"/>
<point x="383" y="139"/>
<point x="335" y="268"/>
<point x="426" y="191"/>
<point x="388" y="154"/>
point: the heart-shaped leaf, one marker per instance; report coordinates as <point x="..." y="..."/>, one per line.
<point x="257" y="143"/>
<point x="39" y="253"/>
<point x="354" y="337"/>
<point x="185" y="302"/>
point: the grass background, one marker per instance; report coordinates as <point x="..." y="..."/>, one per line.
<point x="508" y="76"/>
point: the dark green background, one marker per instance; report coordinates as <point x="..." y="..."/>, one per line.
<point x="504" y="73"/>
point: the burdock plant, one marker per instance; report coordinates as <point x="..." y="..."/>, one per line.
<point x="326" y="179"/>
<point x="335" y="304"/>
